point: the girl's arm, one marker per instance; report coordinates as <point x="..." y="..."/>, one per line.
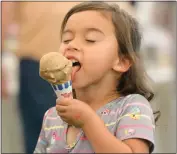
<point x="136" y="141"/>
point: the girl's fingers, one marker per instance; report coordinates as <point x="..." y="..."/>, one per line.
<point x="63" y="101"/>
<point x="62" y="114"/>
<point x="60" y="108"/>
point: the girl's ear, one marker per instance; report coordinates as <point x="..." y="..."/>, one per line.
<point x="121" y="65"/>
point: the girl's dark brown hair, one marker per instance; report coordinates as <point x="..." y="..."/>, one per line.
<point x="134" y="81"/>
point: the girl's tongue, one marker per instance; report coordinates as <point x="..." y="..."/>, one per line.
<point x="75" y="69"/>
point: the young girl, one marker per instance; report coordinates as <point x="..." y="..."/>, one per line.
<point x="112" y="113"/>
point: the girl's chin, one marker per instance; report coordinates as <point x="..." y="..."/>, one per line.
<point x="77" y="85"/>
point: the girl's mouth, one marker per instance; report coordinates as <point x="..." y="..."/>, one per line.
<point x="75" y="69"/>
<point x="76" y="64"/>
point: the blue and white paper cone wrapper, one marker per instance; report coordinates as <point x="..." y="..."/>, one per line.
<point x="63" y="90"/>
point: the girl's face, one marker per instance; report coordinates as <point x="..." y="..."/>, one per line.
<point x="89" y="38"/>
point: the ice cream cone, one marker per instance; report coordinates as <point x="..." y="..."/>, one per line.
<point x="63" y="90"/>
<point x="56" y="69"/>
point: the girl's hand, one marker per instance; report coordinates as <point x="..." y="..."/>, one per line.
<point x="74" y="112"/>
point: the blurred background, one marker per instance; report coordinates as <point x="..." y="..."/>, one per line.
<point x="31" y="29"/>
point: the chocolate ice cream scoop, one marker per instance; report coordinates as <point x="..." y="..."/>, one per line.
<point x="55" y="68"/>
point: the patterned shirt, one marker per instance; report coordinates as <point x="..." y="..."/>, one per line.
<point x="125" y="117"/>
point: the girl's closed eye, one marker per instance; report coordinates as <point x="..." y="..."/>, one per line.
<point x="67" y="37"/>
<point x="66" y="41"/>
<point x="90" y="41"/>
<point x="93" y="38"/>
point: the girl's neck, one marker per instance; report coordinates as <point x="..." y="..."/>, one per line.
<point x="98" y="95"/>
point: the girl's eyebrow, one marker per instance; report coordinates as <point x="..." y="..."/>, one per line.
<point x="67" y="31"/>
<point x="94" y="30"/>
<point x="87" y="30"/>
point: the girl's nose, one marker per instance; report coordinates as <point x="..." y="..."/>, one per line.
<point x="72" y="47"/>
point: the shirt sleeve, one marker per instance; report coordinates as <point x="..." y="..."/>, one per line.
<point x="136" y="121"/>
<point x="42" y="141"/>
